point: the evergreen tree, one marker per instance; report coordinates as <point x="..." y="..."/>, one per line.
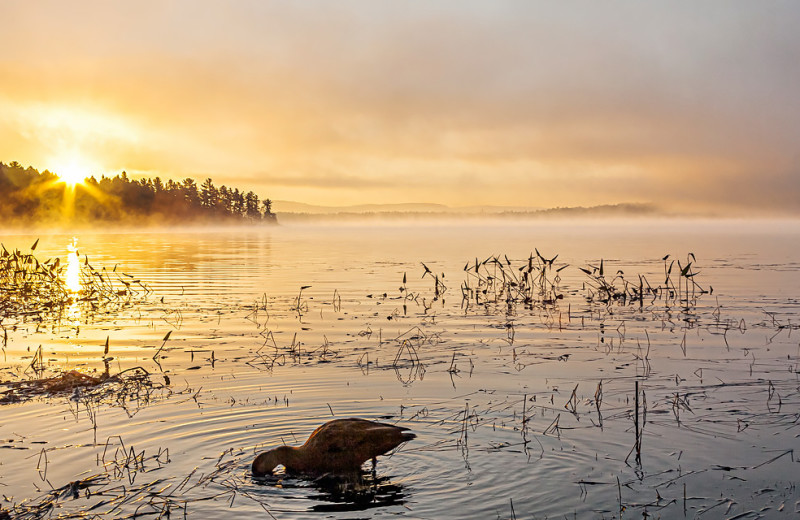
<point x="29" y="196"/>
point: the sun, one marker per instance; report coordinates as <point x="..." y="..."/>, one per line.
<point x="72" y="174"/>
<point x="72" y="171"/>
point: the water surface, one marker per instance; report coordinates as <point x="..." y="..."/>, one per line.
<point x="503" y="397"/>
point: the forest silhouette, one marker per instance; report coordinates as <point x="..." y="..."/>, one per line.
<point x="30" y="197"/>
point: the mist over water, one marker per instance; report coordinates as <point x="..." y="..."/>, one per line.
<point x="529" y="406"/>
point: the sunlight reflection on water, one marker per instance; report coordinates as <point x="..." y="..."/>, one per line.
<point x="72" y="279"/>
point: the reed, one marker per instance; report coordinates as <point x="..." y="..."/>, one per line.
<point x="598" y="400"/>
<point x="618" y="290"/>
<point x="34" y="290"/>
<point x="495" y="281"/>
<point x="572" y="403"/>
<point x="123" y="488"/>
<point x="300" y="306"/>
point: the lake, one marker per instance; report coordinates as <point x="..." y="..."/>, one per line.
<point x="514" y="351"/>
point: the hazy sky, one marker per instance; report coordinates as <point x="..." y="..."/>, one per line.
<point x="687" y="104"/>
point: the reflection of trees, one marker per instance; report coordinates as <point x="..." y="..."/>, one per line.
<point x="28" y="195"/>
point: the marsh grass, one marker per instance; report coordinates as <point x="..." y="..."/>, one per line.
<point x="495" y="281"/>
<point x="132" y="387"/>
<point x="34" y="290"/>
<point x="132" y="485"/>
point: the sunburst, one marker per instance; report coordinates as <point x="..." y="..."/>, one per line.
<point x="72" y="171"/>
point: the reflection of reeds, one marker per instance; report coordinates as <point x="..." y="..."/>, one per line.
<point x="299" y="305"/>
<point x="37" y="363"/>
<point x="644" y="358"/>
<point x="638" y="429"/>
<point x="337" y="301"/>
<point x="598" y="400"/>
<point x="260" y="305"/>
<point x="269" y="359"/>
<point x="158" y="352"/>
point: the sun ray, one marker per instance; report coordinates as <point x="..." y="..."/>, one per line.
<point x="72" y="172"/>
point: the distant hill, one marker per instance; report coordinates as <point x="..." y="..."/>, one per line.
<point x="285" y="206"/>
<point x="289" y="212"/>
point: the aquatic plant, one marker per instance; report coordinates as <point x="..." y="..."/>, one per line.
<point x="599" y="288"/>
<point x="495" y="281"/>
<point x="36" y="290"/>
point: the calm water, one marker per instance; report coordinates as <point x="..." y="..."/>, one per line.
<point x="503" y="398"/>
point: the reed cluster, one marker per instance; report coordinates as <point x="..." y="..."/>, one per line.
<point x="34" y="290"/>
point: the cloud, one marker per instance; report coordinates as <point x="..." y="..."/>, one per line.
<point x="617" y="102"/>
<point x="330" y="180"/>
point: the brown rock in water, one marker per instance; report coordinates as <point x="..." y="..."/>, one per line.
<point x="340" y="446"/>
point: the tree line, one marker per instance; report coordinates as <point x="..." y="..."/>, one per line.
<point x="29" y="196"/>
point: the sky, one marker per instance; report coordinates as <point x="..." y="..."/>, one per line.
<point x="688" y="105"/>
